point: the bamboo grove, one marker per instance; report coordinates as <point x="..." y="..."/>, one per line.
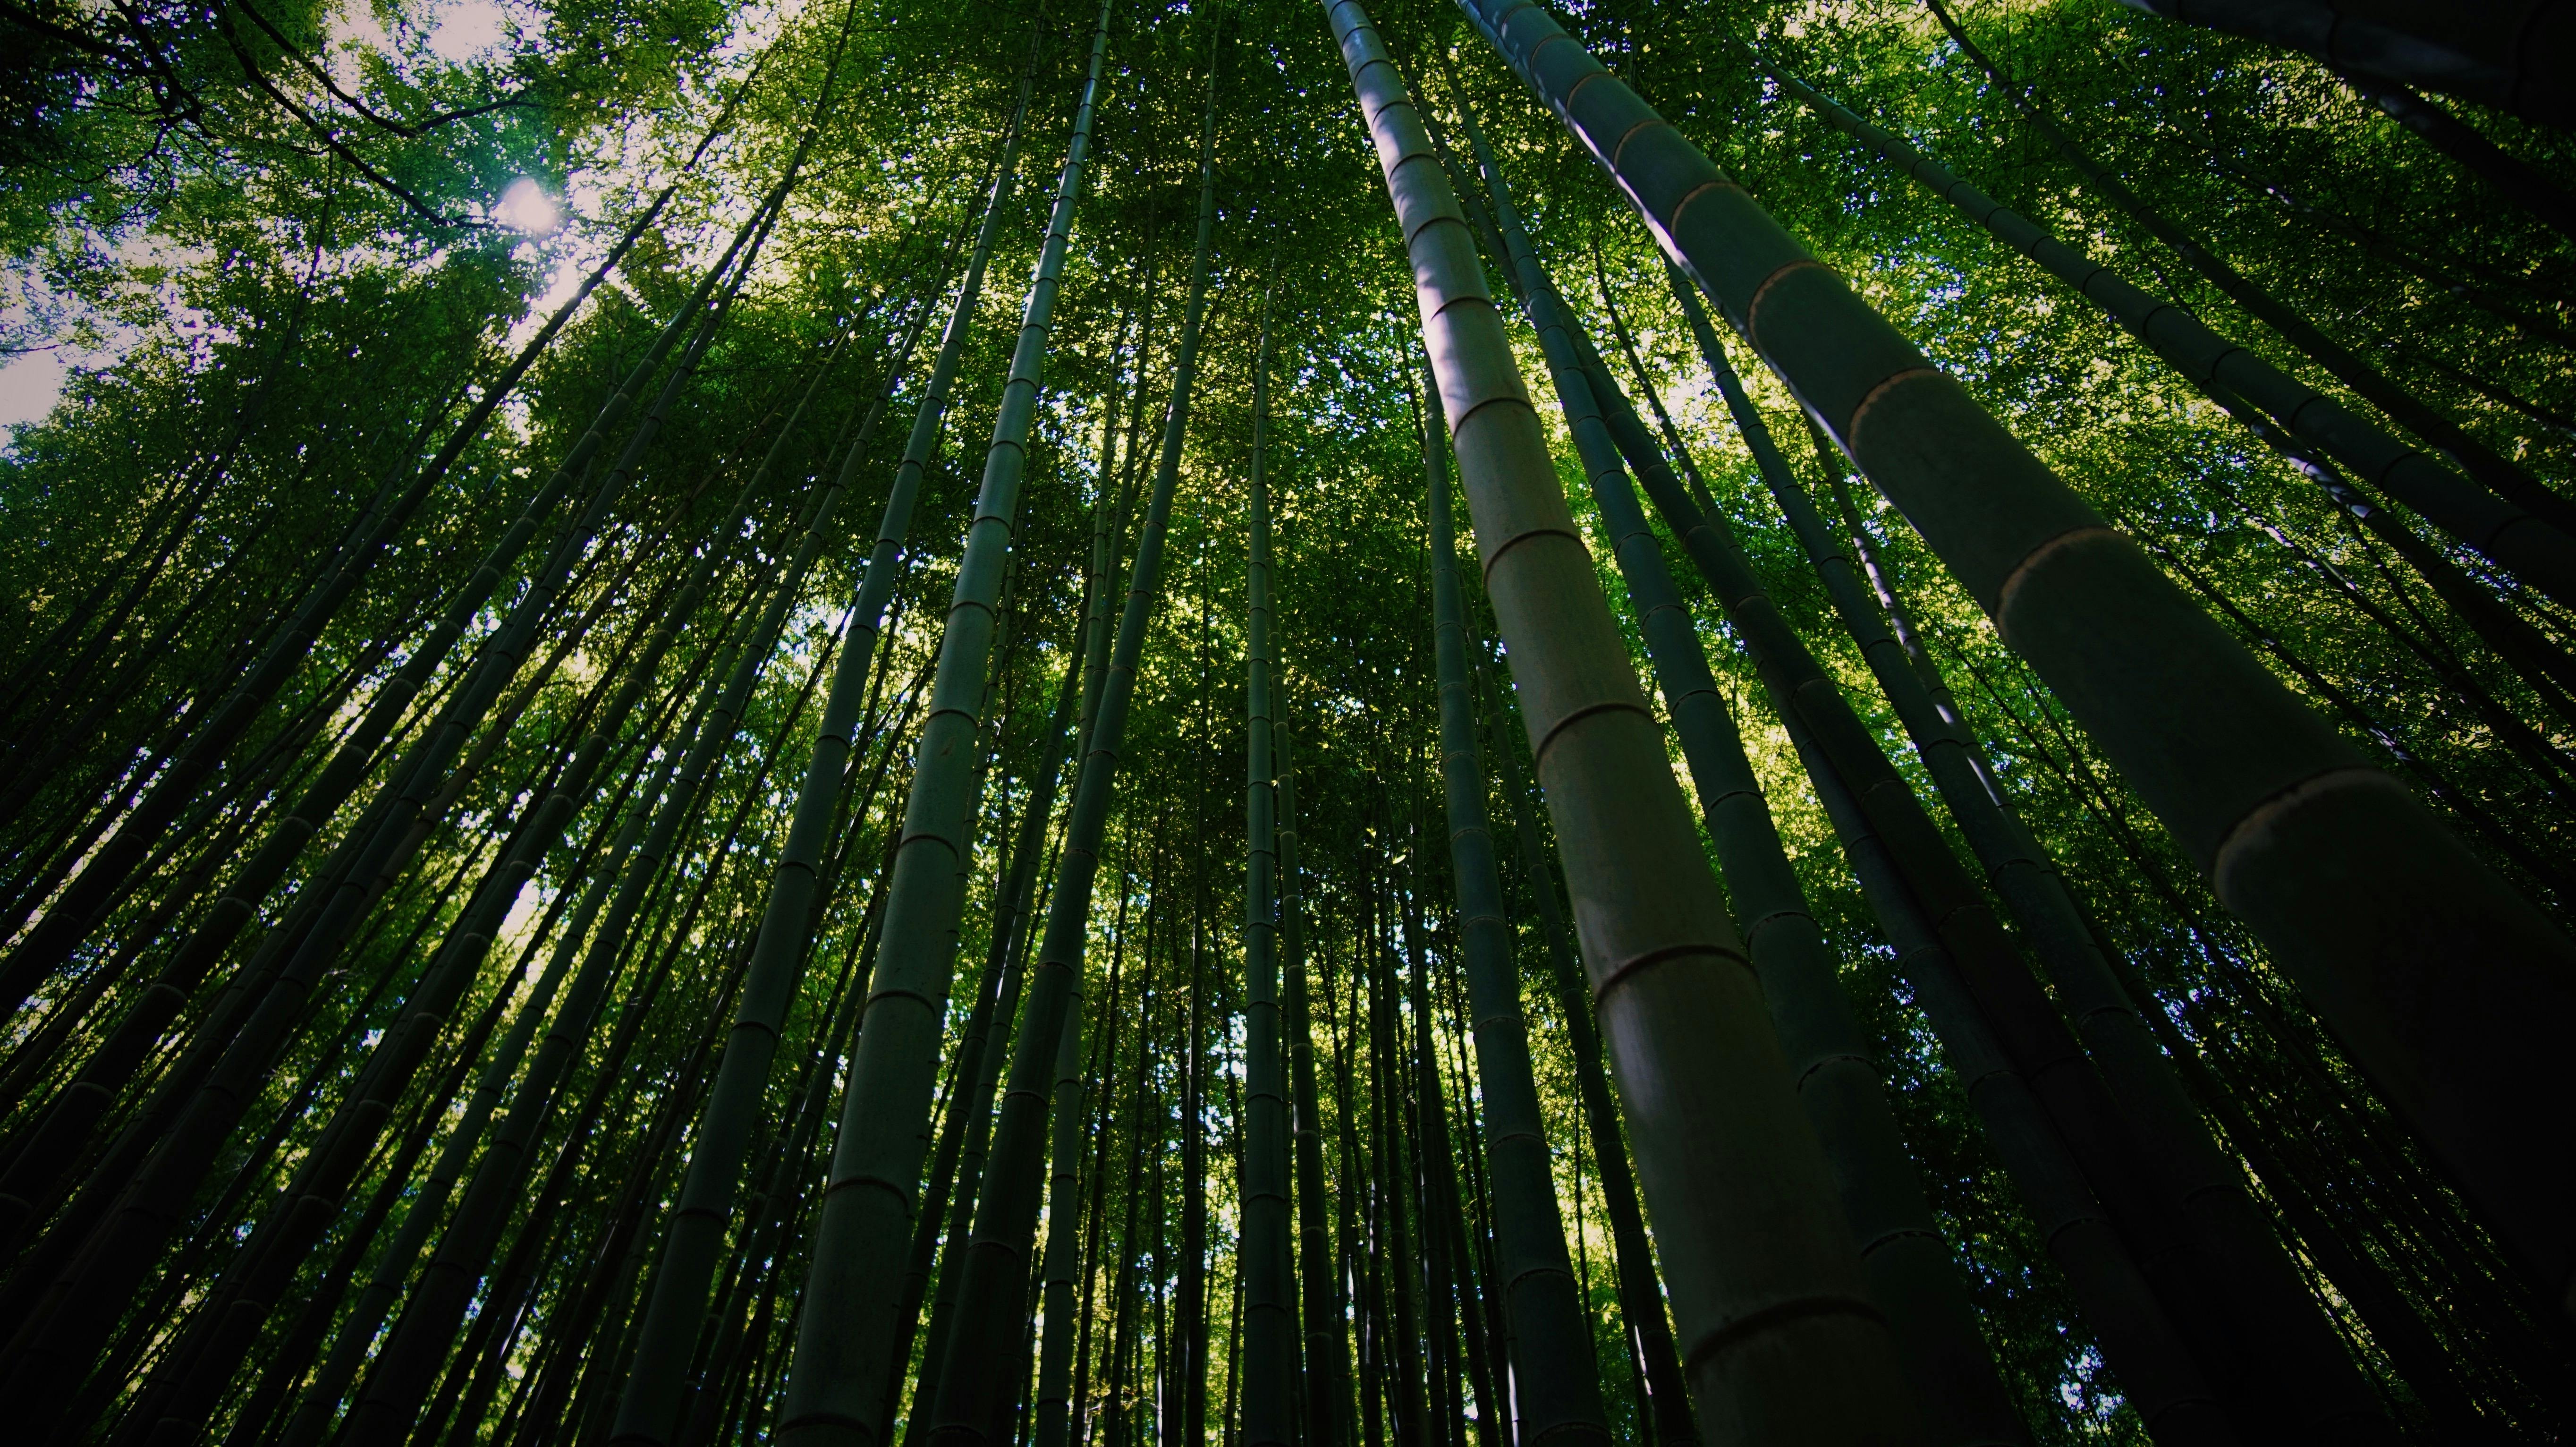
<point x="1358" y="723"/>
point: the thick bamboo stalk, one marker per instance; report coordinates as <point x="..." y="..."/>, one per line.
<point x="2512" y="177"/>
<point x="2491" y="470"/>
<point x="1641" y="1294"/>
<point x="1771" y="1308"/>
<point x="2514" y="56"/>
<point x="947" y="1208"/>
<point x="2366" y="901"/>
<point x="2015" y="1011"/>
<point x="2218" y="368"/>
<point x="2293" y="1364"/>
<point x="967" y="1130"/>
<point x="1911" y="1272"/>
<point x="2286" y="1353"/>
<point x="1556" y="1397"/>
<point x="844" y="1342"/>
<point x="979" y="1383"/>
<point x="2499" y="530"/>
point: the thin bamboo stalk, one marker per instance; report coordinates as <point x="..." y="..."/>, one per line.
<point x="2490" y="470"/>
<point x="845" y="1343"/>
<point x="2156" y="1372"/>
<point x="231" y="717"/>
<point x="1063" y="1258"/>
<point x="1266" y="1279"/>
<point x="403" y="1367"/>
<point x="1326" y="1377"/>
<point x="978" y="1387"/>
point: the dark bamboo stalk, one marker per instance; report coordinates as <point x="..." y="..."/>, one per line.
<point x="1326" y="1377"/>
<point x="1266" y="1281"/>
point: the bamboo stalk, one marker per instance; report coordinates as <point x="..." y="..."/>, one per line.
<point x="844" y="1343"/>
<point x="2359" y="893"/>
<point x="1266" y="1278"/>
<point x="1555" y="1397"/>
<point x="977" y="1390"/>
<point x="1771" y="1309"/>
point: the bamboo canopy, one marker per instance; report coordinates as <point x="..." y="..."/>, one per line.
<point x="1356" y="723"/>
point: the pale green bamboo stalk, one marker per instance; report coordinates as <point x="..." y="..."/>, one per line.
<point x="649" y="1410"/>
<point x="1556" y="1392"/>
<point x="1911" y="1272"/>
<point x="1773" y="1315"/>
<point x="844" y="1338"/>
<point x="957" y="1172"/>
<point x="876" y="588"/>
<point x="2373" y="907"/>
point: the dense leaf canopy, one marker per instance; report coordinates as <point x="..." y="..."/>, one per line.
<point x="273" y="252"/>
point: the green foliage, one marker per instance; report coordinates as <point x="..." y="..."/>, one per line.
<point x="272" y="247"/>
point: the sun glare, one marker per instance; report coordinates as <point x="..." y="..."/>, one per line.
<point x="526" y="207"/>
